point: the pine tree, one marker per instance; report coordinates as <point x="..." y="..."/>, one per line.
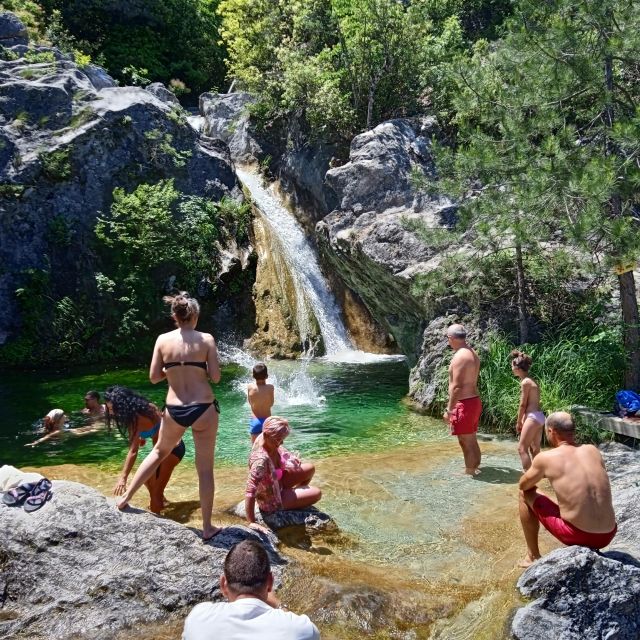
<point x="548" y="143"/>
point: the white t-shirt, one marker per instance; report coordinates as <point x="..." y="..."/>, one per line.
<point x="246" y="619"/>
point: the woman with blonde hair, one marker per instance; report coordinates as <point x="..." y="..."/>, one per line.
<point x="277" y="479"/>
<point x="188" y="360"/>
<point x="530" y="418"/>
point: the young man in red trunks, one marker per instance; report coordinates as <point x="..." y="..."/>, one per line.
<point x="584" y="513"/>
<point x="464" y="408"/>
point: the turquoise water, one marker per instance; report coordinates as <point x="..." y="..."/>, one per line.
<point x="332" y="407"/>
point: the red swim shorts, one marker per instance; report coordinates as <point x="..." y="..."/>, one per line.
<point x="465" y="417"/>
<point x="548" y="512"/>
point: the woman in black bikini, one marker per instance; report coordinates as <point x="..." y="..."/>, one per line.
<point x="138" y="419"/>
<point x="187" y="359"/>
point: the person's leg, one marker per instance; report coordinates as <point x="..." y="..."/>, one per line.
<point x="205" y="430"/>
<point x="536" y="441"/>
<point x="168" y="438"/>
<point x="300" y="497"/>
<point x="165" y="470"/>
<point x="298" y="477"/>
<point x="471" y="452"/>
<point x="530" y="526"/>
<point x="530" y="431"/>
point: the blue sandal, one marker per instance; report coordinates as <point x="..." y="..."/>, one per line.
<point x="40" y="495"/>
<point x="16" y="496"/>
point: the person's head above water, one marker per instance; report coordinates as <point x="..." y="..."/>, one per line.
<point x="184" y="309"/>
<point x="520" y="360"/>
<point x="54" y="420"/>
<point x="125" y="406"/>
<point x="560" y="427"/>
<point x="92" y="400"/>
<point x="247" y="571"/>
<point x="260" y="371"/>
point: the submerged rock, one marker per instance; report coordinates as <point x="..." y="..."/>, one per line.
<point x="311" y="518"/>
<point x="583" y="594"/>
<point x="78" y="568"/>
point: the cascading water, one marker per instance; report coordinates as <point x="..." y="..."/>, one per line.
<point x="314" y="298"/>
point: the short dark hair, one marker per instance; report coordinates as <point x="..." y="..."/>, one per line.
<point x="260" y="371"/>
<point x="247" y="567"/>
<point x="92" y="394"/>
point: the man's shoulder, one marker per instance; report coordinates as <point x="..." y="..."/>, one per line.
<point x="300" y="625"/>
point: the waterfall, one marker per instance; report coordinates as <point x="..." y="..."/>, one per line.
<point x="313" y="296"/>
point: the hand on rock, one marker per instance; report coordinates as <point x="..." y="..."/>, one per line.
<point x="257" y="527"/>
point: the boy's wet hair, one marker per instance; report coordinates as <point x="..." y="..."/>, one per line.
<point x="260" y="371"/>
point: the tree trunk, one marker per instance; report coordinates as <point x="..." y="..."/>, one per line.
<point x="523" y="319"/>
<point x="626" y="281"/>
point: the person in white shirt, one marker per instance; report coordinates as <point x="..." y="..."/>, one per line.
<point x="252" y="610"/>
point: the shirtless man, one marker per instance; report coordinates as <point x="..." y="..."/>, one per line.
<point x="93" y="408"/>
<point x="261" y="398"/>
<point x="584" y="513"/>
<point x="464" y="408"/>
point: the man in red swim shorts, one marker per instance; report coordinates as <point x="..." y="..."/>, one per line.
<point x="584" y="513"/>
<point x="464" y="408"/>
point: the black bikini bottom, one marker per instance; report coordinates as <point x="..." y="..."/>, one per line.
<point x="186" y="414"/>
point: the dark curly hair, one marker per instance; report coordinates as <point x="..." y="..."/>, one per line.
<point x="127" y="405"/>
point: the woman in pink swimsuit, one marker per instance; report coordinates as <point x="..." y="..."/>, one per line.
<point x="277" y="479"/>
<point x="530" y="417"/>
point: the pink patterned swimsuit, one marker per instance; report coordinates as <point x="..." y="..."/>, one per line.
<point x="263" y="482"/>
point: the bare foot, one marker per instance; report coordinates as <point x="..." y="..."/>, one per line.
<point x="208" y="534"/>
<point x="527" y="561"/>
<point x="156" y="508"/>
<point x="472" y="472"/>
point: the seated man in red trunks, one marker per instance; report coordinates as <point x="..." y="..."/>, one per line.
<point x="584" y="513"/>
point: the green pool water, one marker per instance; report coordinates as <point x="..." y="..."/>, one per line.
<point x="333" y="407"/>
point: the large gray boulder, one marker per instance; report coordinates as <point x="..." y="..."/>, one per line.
<point x="68" y="137"/>
<point x="162" y="93"/>
<point x="78" y="568"/>
<point x="583" y="594"/>
<point x="12" y="30"/>
<point x="226" y="118"/>
<point x="370" y="238"/>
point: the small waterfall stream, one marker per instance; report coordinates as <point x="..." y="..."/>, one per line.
<point x="313" y="296"/>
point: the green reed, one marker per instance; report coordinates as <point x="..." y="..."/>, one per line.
<point x="577" y="366"/>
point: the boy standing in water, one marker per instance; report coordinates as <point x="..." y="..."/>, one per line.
<point x="261" y="398"/>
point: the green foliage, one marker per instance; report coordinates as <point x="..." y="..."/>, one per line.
<point x="161" y="147"/>
<point x="32" y="16"/>
<point x="170" y="40"/>
<point x="38" y="57"/>
<point x="7" y="54"/>
<point x="56" y="165"/>
<point x="59" y="231"/>
<point x="8" y="190"/>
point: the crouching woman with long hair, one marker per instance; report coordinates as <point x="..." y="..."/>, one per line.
<point x="138" y="419"/>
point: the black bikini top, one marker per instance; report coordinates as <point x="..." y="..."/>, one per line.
<point x="202" y="364"/>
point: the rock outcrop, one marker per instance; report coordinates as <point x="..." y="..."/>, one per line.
<point x="583" y="594"/>
<point x="312" y="519"/>
<point x="78" y="568"/>
<point x="68" y="137"/>
<point x="369" y="239"/>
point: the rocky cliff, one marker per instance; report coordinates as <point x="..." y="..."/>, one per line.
<point x="68" y="137"/>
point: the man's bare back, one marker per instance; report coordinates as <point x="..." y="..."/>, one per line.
<point x="579" y="479"/>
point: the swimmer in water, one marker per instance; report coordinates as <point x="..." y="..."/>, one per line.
<point x="261" y="397"/>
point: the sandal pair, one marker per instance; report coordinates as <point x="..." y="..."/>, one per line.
<point x="33" y="495"/>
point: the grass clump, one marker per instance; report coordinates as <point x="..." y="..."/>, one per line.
<point x="39" y="57"/>
<point x="56" y="165"/>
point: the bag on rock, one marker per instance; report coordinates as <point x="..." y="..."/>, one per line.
<point x="627" y="403"/>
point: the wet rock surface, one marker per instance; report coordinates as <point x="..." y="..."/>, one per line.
<point x="68" y="137"/>
<point x="78" y="568"/>
<point x="311" y="519"/>
<point x="583" y="594"/>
